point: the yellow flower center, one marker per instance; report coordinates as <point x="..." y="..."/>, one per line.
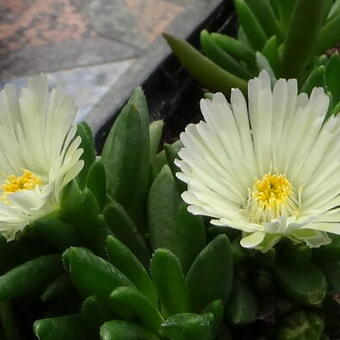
<point x="270" y="198"/>
<point x="272" y="190"/>
<point x="27" y="181"/>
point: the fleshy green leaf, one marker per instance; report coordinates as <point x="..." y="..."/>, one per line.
<point x="263" y="64"/>
<point x="203" y="69"/>
<point x="126" y="157"/>
<point x="329" y="34"/>
<point x="155" y="132"/>
<point x="54" y="232"/>
<point x="301" y="325"/>
<point x="57" y="289"/>
<point x="169" y="280"/>
<point x="333" y="76"/>
<point x="242" y="305"/>
<point x="210" y="276"/>
<point x="91" y="274"/>
<point x="29" y="276"/>
<point x="122" y="330"/>
<point x="89" y="154"/>
<point x="235" y="48"/>
<point x="306" y="284"/>
<point x="188" y="327"/>
<point x="124" y="228"/>
<point x="288" y="251"/>
<point x="96" y="182"/>
<point x="123" y="259"/>
<point x="270" y="51"/>
<point x="216" y="308"/>
<point x="332" y="271"/>
<point x="8" y="322"/>
<point x="329" y="251"/>
<point x="95" y="312"/>
<point x="221" y="57"/>
<point x="303" y="30"/>
<point x="171" y="152"/>
<point x="315" y="78"/>
<point x="265" y="14"/>
<point x="250" y="24"/>
<point x="191" y="237"/>
<point x="138" y="305"/>
<point x="162" y="210"/>
<point x="69" y="327"/>
<point x="90" y="224"/>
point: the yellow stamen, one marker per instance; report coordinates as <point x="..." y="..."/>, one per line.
<point x="270" y="198"/>
<point x="27" y="181"/>
<point x="272" y="190"/>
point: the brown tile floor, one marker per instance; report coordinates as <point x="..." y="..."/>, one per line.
<point x="85" y="44"/>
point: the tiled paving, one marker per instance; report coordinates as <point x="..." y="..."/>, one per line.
<point x="87" y="45"/>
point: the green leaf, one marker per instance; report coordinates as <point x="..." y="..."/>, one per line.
<point x="250" y="24"/>
<point x="124" y="228"/>
<point x="126" y="157"/>
<point x="300" y="41"/>
<point x="315" y="78"/>
<point x="96" y="182"/>
<point x="191" y="238"/>
<point x="240" y="254"/>
<point x="167" y="275"/>
<point x="29" y="276"/>
<point x="288" y="251"/>
<point x="91" y="274"/>
<point x="329" y="34"/>
<point x="70" y="202"/>
<point x="122" y="330"/>
<point x="329" y="251"/>
<point x="123" y="259"/>
<point x="89" y="154"/>
<point x="301" y="325"/>
<point x="305" y="284"/>
<point x="210" y="276"/>
<point x="216" y="308"/>
<point x="69" y="327"/>
<point x="162" y="210"/>
<point x="57" y="289"/>
<point x="263" y="64"/>
<point x="265" y="14"/>
<point x="139" y="306"/>
<point x="286" y="8"/>
<point x="335" y="10"/>
<point x="57" y="234"/>
<point x="270" y="51"/>
<point x="95" y="312"/>
<point x="171" y="152"/>
<point x="242" y="305"/>
<point x="82" y="210"/>
<point x="333" y="76"/>
<point x="155" y="132"/>
<point x="171" y="226"/>
<point x="235" y="48"/>
<point x="332" y="271"/>
<point x="203" y="69"/>
<point x="221" y="57"/>
<point x="188" y="327"/>
<point x="8" y="322"/>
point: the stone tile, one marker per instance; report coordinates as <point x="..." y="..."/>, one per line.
<point x="31" y="60"/>
<point x="86" y="84"/>
<point x="135" y="22"/>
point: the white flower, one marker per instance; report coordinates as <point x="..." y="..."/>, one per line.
<point x="38" y="153"/>
<point x="271" y="169"/>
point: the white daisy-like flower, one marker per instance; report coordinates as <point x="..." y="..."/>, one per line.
<point x="39" y="153"/>
<point x="270" y="168"/>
